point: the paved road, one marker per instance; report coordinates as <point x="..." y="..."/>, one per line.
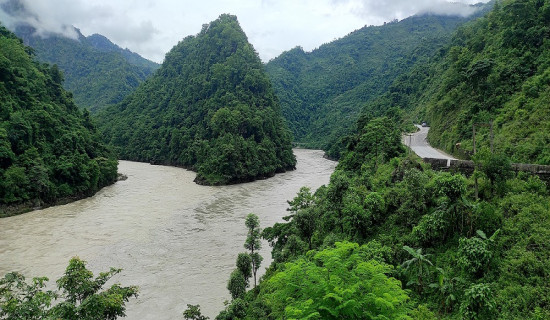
<point x="418" y="143"/>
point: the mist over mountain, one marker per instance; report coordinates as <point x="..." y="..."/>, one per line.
<point x="96" y="71"/>
<point x="16" y="13"/>
<point x="151" y="28"/>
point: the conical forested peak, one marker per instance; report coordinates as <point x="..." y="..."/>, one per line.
<point x="210" y="107"/>
<point x="217" y="40"/>
<point x="223" y="55"/>
<point x="227" y="27"/>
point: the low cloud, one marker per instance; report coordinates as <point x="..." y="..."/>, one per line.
<point x="45" y="18"/>
<point x="60" y="17"/>
<point x="152" y="27"/>
<point x="451" y="9"/>
<point x="399" y="9"/>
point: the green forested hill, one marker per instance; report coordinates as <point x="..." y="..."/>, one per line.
<point x="209" y="107"/>
<point x="495" y="69"/>
<point x="389" y="238"/>
<point x="97" y="72"/>
<point x="498" y="69"/>
<point x="323" y="91"/>
<point x="387" y="222"/>
<point x="49" y="149"/>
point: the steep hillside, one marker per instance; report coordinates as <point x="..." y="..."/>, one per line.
<point x="465" y="247"/>
<point x="496" y="69"/>
<point x="322" y="92"/>
<point x="389" y="238"/>
<point x="209" y="107"/>
<point x="49" y="149"/>
<point x="97" y="72"/>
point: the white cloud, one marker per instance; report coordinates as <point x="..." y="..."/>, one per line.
<point x="400" y="9"/>
<point x="152" y="28"/>
<point x="44" y="20"/>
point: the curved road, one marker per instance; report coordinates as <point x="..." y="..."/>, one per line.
<point x="419" y="144"/>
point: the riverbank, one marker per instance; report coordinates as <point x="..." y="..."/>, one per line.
<point x="38" y="204"/>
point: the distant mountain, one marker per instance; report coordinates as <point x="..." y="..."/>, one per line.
<point x="103" y="44"/>
<point x="97" y="72"/>
<point x="323" y="91"/>
<point x="49" y="148"/>
<point x="210" y="107"/>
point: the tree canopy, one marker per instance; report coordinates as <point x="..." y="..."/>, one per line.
<point x="82" y="296"/>
<point x="389" y="238"/>
<point x="337" y="283"/>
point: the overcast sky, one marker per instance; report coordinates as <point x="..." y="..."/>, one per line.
<point x="152" y="27"/>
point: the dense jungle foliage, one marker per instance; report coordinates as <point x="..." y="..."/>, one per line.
<point x="389" y="238"/>
<point x="497" y="69"/>
<point x="80" y="296"/>
<point x="49" y="149"/>
<point x="97" y="72"/>
<point x="387" y="218"/>
<point x="210" y="107"/>
<point x="322" y="92"/>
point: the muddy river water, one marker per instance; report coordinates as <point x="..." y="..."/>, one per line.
<point x="176" y="240"/>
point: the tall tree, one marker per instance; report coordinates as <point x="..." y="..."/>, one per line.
<point x="253" y="243"/>
<point x="193" y="312"/>
<point x="83" y="296"/>
<point x="244" y="265"/>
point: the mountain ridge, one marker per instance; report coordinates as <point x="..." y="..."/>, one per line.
<point x="322" y="92"/>
<point x="96" y="74"/>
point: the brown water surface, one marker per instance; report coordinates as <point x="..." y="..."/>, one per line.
<point x="175" y="239"/>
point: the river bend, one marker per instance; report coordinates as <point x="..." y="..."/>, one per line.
<point x="176" y="240"/>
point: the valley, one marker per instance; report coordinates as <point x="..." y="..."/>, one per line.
<point x="217" y="206"/>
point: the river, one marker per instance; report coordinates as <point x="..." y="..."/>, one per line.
<point x="176" y="240"/>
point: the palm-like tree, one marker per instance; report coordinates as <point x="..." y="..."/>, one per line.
<point x="447" y="286"/>
<point x="420" y="262"/>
